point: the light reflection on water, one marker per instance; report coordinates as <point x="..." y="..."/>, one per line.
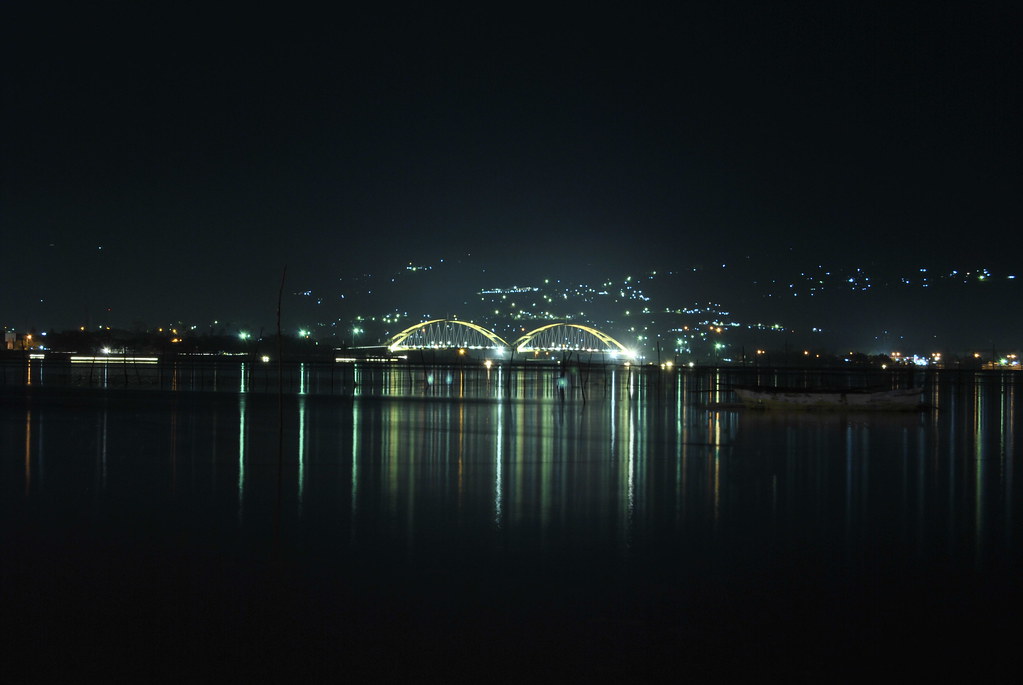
<point x="595" y="465"/>
<point x="651" y="482"/>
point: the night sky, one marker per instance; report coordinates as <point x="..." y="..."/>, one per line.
<point x="203" y="150"/>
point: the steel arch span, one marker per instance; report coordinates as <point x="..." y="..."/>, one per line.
<point x="446" y="334"/>
<point x="569" y="336"/>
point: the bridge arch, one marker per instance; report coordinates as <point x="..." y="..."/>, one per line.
<point x="569" y="336"/>
<point x="444" y="334"/>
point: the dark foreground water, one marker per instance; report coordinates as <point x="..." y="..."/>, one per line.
<point x="434" y="522"/>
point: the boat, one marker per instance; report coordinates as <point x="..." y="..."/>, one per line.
<point x="868" y="399"/>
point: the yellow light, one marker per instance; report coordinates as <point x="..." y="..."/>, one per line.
<point x="488" y="363"/>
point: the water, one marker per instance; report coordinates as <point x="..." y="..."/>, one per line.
<point x="410" y="522"/>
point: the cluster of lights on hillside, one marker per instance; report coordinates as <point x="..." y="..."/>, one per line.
<point x="622" y="305"/>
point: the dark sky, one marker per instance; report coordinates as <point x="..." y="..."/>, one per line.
<point x="205" y="149"/>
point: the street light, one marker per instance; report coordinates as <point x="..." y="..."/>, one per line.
<point x="355" y="331"/>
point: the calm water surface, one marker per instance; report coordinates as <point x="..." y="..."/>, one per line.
<point x="410" y="522"/>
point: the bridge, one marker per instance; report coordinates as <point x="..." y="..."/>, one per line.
<point x="451" y="334"/>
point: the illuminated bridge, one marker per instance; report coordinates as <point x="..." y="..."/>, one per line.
<point x="450" y="334"/>
<point x="445" y="334"/>
<point x="569" y="337"/>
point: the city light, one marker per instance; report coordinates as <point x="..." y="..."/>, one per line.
<point x="696" y="326"/>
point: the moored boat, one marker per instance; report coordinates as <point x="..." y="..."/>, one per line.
<point x="760" y="397"/>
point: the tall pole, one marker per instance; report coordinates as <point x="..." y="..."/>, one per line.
<point x="280" y="407"/>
